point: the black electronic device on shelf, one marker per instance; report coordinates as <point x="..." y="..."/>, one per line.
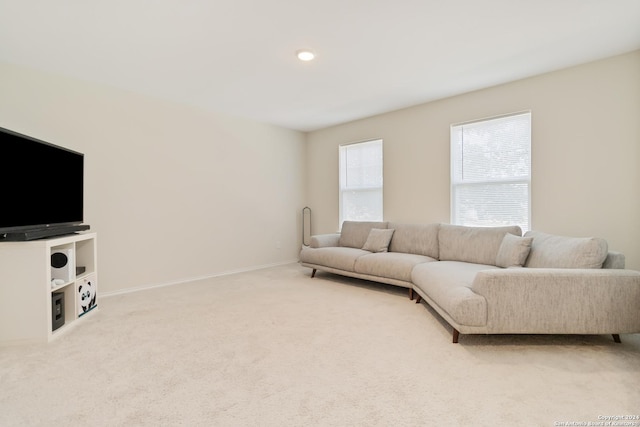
<point x="41" y="188"/>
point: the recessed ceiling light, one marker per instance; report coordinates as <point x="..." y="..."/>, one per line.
<point x="305" y="55"/>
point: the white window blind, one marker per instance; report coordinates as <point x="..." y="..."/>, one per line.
<point x="361" y="181"/>
<point x="491" y="172"/>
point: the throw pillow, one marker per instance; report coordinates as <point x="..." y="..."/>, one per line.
<point x="378" y="240"/>
<point x="513" y="251"/>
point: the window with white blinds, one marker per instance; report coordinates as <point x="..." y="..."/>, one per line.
<point x="361" y="181"/>
<point x="491" y="172"/>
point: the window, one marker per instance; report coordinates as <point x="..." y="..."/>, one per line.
<point x="491" y="172"/>
<point x="361" y="181"/>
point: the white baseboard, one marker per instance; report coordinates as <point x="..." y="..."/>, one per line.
<point x="193" y="279"/>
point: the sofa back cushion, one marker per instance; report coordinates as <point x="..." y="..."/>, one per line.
<point x="354" y="234"/>
<point x="418" y="239"/>
<point x="551" y="251"/>
<point x="479" y="245"/>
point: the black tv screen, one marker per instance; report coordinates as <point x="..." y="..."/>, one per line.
<point x="42" y="184"/>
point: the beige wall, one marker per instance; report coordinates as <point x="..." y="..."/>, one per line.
<point x="585" y="153"/>
<point x="173" y="192"/>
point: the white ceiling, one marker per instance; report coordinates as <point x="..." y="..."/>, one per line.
<point x="373" y="56"/>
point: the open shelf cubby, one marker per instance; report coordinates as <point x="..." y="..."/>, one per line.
<point x="32" y="273"/>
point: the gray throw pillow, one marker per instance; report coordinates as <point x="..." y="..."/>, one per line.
<point x="513" y="251"/>
<point x="378" y="240"/>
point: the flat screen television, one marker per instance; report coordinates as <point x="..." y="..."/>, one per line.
<point x="42" y="191"/>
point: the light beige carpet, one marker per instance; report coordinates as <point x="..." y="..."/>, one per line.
<point x="277" y="348"/>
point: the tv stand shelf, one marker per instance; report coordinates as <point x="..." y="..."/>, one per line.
<point x="27" y="309"/>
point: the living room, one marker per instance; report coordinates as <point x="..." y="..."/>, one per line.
<point x="179" y="194"/>
<point x="231" y="191"/>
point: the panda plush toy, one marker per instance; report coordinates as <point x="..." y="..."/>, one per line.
<point x="86" y="296"/>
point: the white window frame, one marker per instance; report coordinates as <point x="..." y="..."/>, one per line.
<point x="344" y="188"/>
<point x="458" y="181"/>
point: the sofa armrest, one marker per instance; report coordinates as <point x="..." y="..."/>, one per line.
<point x="325" y="240"/>
<point x="574" y="301"/>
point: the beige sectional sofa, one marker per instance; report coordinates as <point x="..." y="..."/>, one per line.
<point x="490" y="280"/>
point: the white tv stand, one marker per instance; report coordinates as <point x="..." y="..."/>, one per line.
<point x="26" y="290"/>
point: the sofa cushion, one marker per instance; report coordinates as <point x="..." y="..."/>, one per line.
<point x="552" y="251"/>
<point x="448" y="284"/>
<point x="478" y="245"/>
<point x="354" y="234"/>
<point x="378" y="240"/>
<point x="392" y="265"/>
<point x="335" y="257"/>
<point x="513" y="251"/>
<point x="419" y="239"/>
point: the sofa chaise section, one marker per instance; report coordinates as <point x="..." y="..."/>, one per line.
<point x="446" y="285"/>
